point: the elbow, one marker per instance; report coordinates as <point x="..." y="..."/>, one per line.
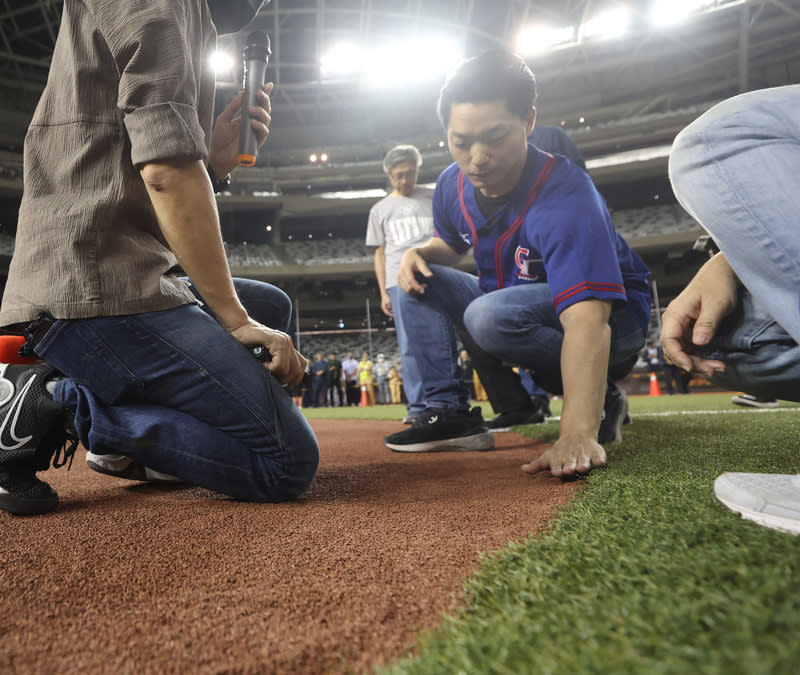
<point x="165" y="176"/>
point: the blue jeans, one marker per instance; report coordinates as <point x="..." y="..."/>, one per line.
<point x="412" y="382"/>
<point x="174" y="391"/>
<point x="517" y="324"/>
<point x="735" y="170"/>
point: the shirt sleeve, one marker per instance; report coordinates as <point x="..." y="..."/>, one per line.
<point x="579" y="249"/>
<point x="375" y="233"/>
<point x="151" y="43"/>
<point x="445" y="199"/>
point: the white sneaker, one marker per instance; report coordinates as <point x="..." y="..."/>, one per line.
<point x="754" y="401"/>
<point x="124" y="467"/>
<point x="769" y="499"/>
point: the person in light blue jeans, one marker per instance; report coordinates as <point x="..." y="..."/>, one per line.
<point x="736" y="170"/>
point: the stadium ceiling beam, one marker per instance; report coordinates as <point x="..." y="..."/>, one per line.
<point x="370" y="12"/>
<point x="789" y="10"/>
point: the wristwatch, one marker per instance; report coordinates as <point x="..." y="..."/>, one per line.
<point x="218" y="184"/>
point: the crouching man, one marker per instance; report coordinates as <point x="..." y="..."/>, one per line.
<point x="558" y="290"/>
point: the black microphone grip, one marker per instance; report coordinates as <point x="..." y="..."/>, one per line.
<point x="261" y="353"/>
<point x="256" y="57"/>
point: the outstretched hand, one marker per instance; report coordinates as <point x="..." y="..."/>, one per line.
<point x="691" y="320"/>
<point x="224" y="153"/>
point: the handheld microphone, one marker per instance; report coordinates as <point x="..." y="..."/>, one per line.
<point x="261" y="353"/>
<point x="255" y="57"/>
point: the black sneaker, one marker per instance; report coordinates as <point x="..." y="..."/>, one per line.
<point x="615" y="412"/>
<point x="543" y="404"/>
<point x="504" y="421"/>
<point x="31" y="430"/>
<point x="443" y="429"/>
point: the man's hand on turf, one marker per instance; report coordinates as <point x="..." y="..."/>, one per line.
<point x="287" y="365"/>
<point x="569" y="456"/>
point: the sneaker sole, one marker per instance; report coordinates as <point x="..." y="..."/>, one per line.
<point x="788" y="525"/>
<point x="753" y="404"/>
<point x="135" y="472"/>
<point x="481" y="441"/>
<point x="27" y="506"/>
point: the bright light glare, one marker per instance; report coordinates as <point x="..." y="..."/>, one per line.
<point x="410" y="62"/>
<point x="341" y="60"/>
<point x="312" y="158"/>
<point x="607" y="25"/>
<point x="536" y="39"/>
<point x="391" y="64"/>
<point x="669" y="12"/>
<point x="323" y="157"/>
<point x="221" y="63"/>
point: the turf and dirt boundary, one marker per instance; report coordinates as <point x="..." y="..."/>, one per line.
<point x="635" y="570"/>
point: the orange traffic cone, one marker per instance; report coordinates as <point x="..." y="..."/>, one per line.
<point x="364" y="396"/>
<point x="655" y="390"/>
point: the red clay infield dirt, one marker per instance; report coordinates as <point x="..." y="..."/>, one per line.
<point x="135" y="578"/>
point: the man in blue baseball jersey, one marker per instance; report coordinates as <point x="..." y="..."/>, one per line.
<point x="558" y="291"/>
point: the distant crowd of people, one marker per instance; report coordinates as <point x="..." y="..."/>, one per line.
<point x="329" y="382"/>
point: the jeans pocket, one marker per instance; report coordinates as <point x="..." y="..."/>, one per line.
<point x="78" y="351"/>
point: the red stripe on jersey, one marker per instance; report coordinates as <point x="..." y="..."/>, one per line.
<point x="587" y="286"/>
<point x="468" y="218"/>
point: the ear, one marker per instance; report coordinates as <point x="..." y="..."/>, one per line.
<point x="530" y="122"/>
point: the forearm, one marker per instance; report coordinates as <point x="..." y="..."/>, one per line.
<point x="187" y="214"/>
<point x="584" y="368"/>
<point x="380" y="268"/>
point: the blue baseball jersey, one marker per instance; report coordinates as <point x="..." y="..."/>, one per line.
<point x="555" y="229"/>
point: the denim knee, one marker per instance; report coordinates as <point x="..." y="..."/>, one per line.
<point x="482" y="321"/>
<point x="296" y="477"/>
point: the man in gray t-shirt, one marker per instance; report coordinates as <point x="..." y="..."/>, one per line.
<point x="397" y="222"/>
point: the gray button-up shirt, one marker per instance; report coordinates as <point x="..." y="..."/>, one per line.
<point x="129" y="84"/>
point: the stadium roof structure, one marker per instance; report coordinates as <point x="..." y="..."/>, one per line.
<point x="619" y="87"/>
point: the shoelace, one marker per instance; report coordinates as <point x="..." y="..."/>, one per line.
<point x="60" y="443"/>
<point x="65" y="453"/>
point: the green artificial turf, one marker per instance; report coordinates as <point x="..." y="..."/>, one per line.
<point x="644" y="571"/>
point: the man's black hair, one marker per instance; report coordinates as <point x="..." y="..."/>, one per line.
<point x="497" y="74"/>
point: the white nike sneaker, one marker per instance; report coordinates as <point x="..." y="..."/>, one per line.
<point x="769" y="499"/>
<point x="124" y="467"/>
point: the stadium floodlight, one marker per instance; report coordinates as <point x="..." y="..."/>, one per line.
<point x="392" y="63"/>
<point x="409" y="62"/>
<point x="221" y="63"/>
<point x="539" y="38"/>
<point x="670" y="12"/>
<point x="610" y="24"/>
<point x="341" y="60"/>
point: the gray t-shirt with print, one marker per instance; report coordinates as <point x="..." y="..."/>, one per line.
<point x="398" y="224"/>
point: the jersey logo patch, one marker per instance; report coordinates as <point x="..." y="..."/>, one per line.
<point x="524" y="270"/>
